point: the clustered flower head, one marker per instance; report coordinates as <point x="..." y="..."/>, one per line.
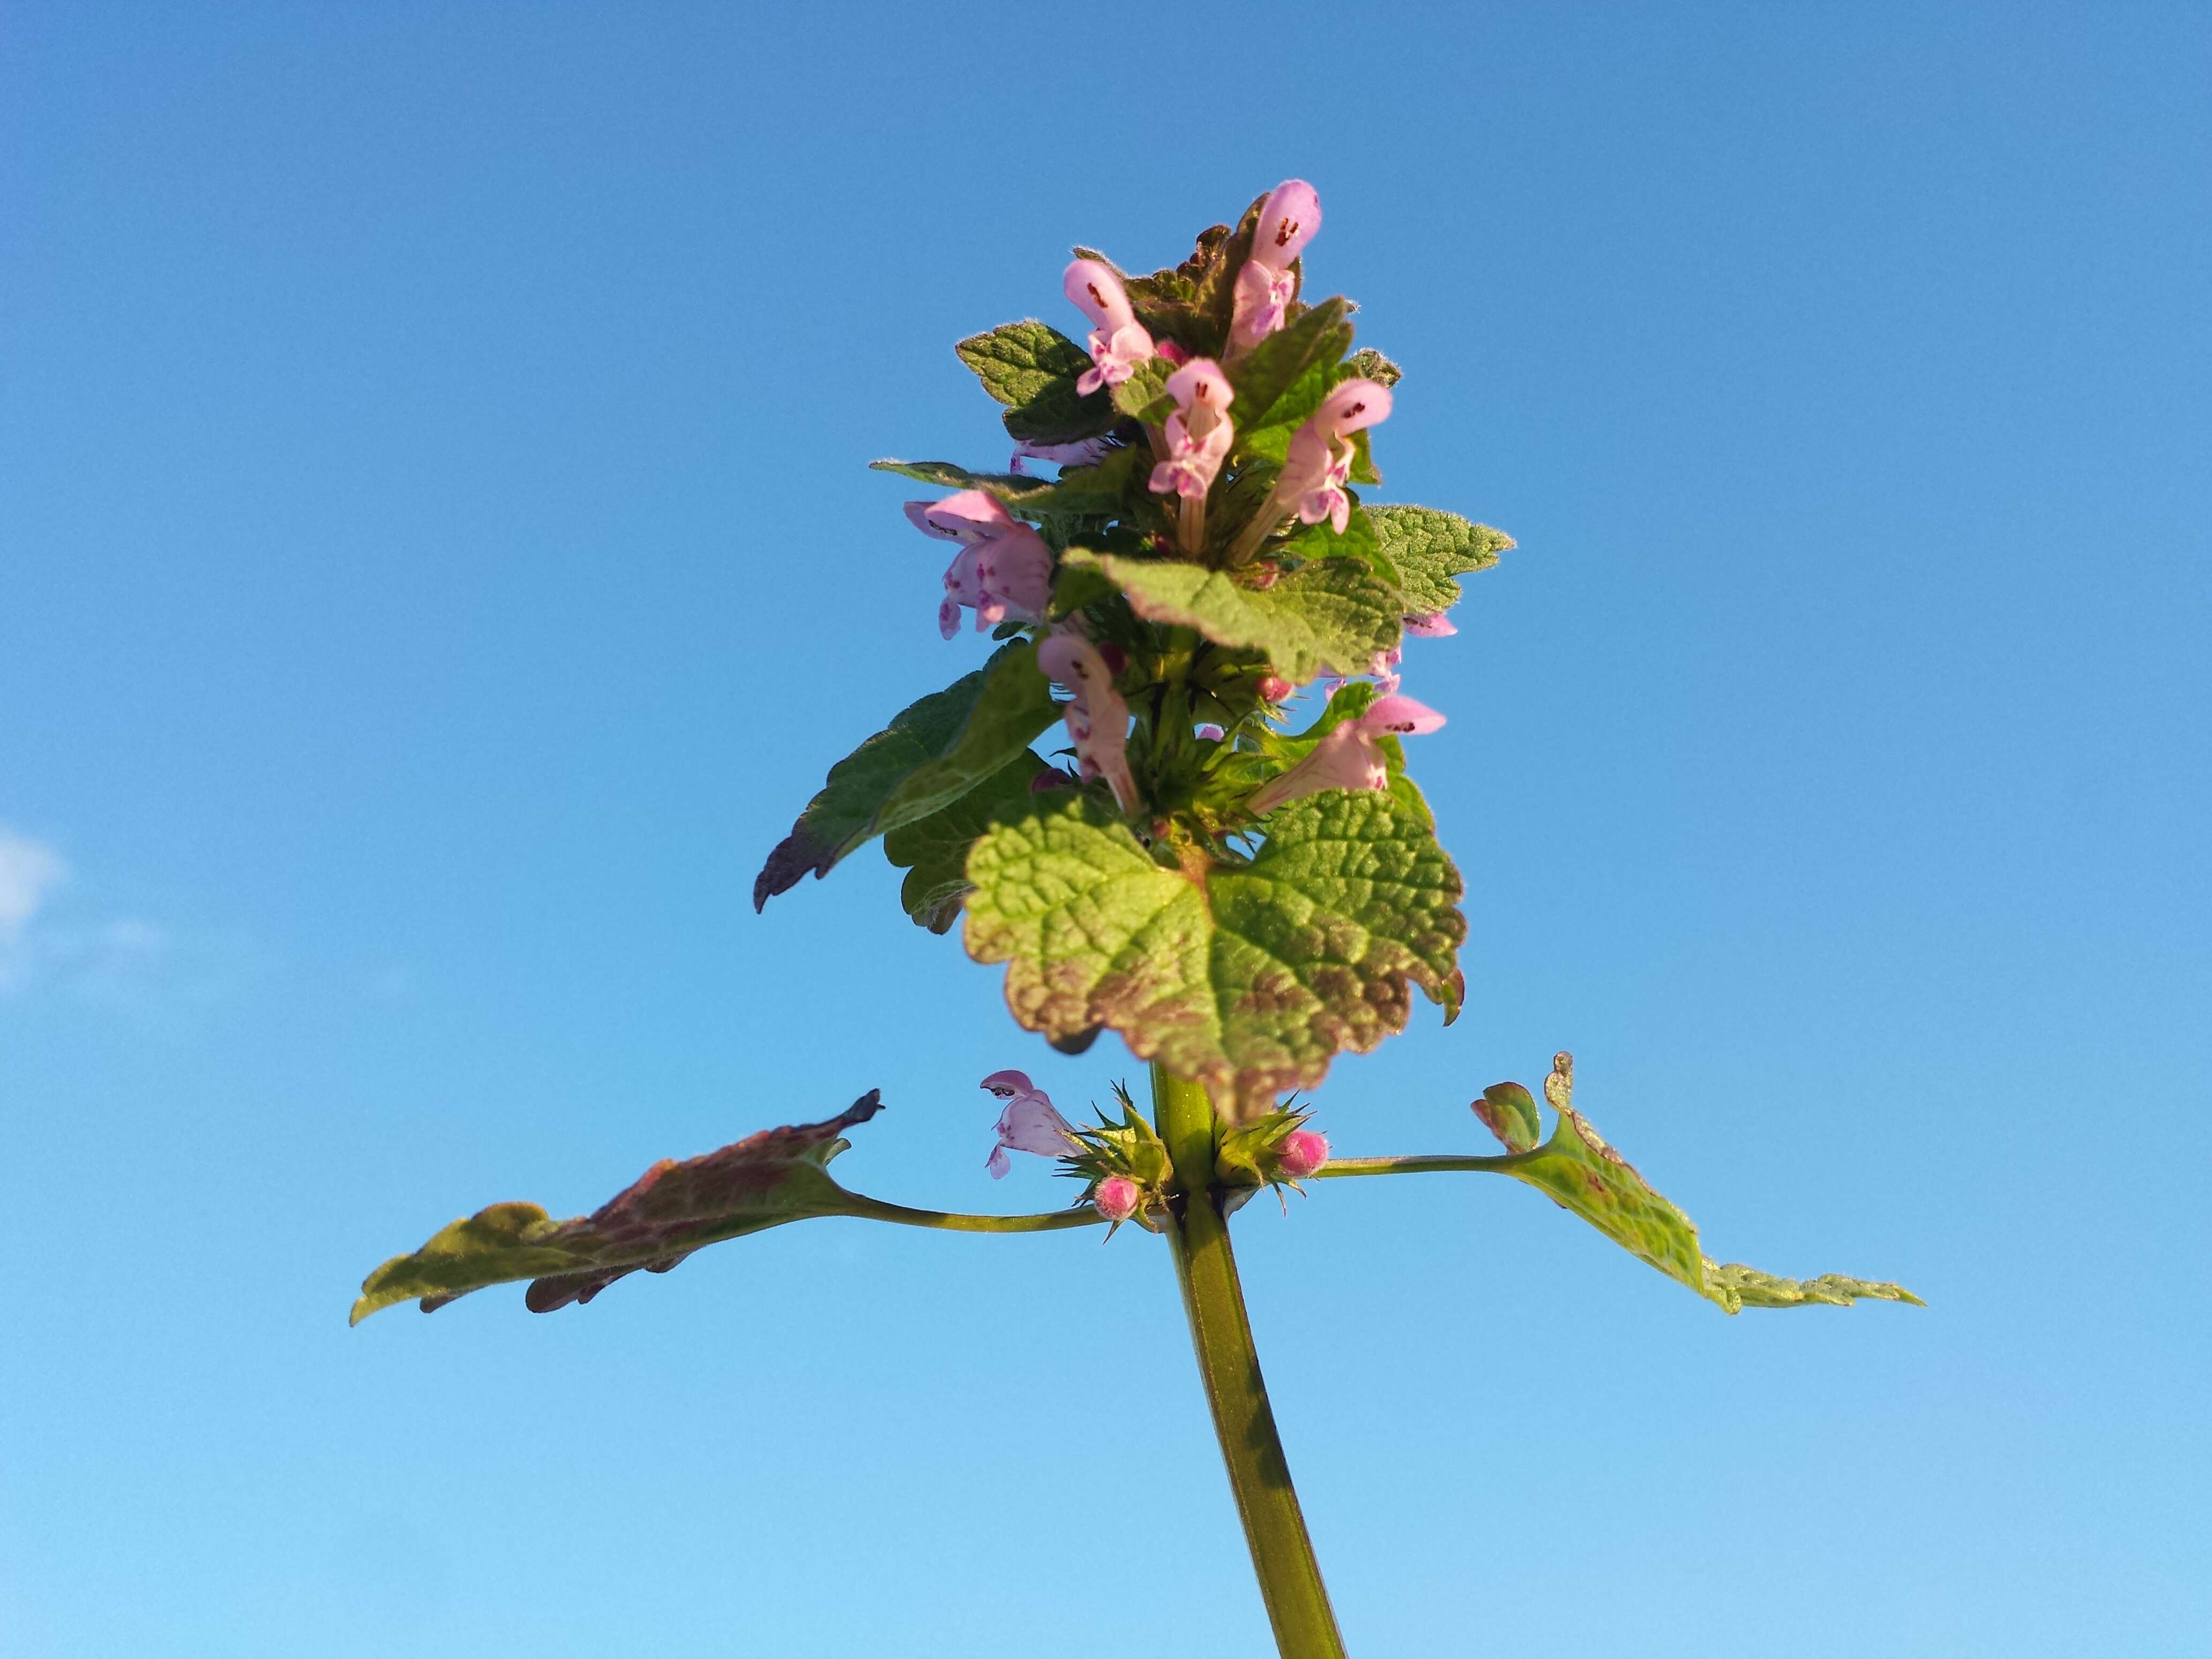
<point x="1199" y="624"/>
<point x="1175" y="402"/>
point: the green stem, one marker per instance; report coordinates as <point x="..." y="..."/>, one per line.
<point x="1220" y="1332"/>
<point x="875" y="1209"/>
<point x="1498" y="1162"/>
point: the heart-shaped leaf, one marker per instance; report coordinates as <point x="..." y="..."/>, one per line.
<point x="1250" y="978"/>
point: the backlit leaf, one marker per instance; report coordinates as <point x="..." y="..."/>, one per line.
<point x="1331" y="611"/>
<point x="1249" y="978"/>
<point x="1428" y="549"/>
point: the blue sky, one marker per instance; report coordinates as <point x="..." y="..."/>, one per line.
<point x="437" y="560"/>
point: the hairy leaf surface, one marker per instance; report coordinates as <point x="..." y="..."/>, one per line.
<point x="1031" y="368"/>
<point x="1332" y="612"/>
<point x="1250" y="978"/>
<point x="1369" y="364"/>
<point x="672" y="1210"/>
<point x="931" y="754"/>
<point x="1429" y="548"/>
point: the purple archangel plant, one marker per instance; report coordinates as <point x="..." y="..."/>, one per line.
<point x="1239" y="900"/>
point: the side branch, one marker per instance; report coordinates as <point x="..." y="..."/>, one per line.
<point x="1499" y="1163"/>
<point x="875" y="1209"/>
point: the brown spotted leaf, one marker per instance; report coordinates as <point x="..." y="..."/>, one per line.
<point x="1250" y="978"/>
<point x="672" y="1210"/>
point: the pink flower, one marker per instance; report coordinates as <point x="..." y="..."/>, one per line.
<point x="1211" y="732"/>
<point x="1003" y="570"/>
<point x="1273" y="688"/>
<point x="1198" y="434"/>
<point x="1029" y="1123"/>
<point x="1085" y="452"/>
<point x="1302" y="1153"/>
<point x="1436" y="626"/>
<point x="1097" y="719"/>
<point x="1118" y="341"/>
<point x="1266" y="284"/>
<point x="1318" y="463"/>
<point x="1348" y="758"/>
<point x="1117" y="1198"/>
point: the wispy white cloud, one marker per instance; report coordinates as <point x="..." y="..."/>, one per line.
<point x="117" y="961"/>
<point x="29" y="871"/>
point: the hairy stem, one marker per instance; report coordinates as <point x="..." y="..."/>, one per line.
<point x="1220" y="1332"/>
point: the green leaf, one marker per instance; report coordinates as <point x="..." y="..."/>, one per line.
<point x="934" y="851"/>
<point x="1032" y="368"/>
<point x="1316" y="342"/>
<point x="1369" y="364"/>
<point x="1735" y="1287"/>
<point x="1429" y="548"/>
<point x="1144" y="395"/>
<point x="1269" y="438"/>
<point x="1509" y="1111"/>
<point x="931" y="754"/>
<point x="1249" y="978"/>
<point x="1016" y="489"/>
<point x="1359" y="540"/>
<point x="673" y="1209"/>
<point x="1093" y="492"/>
<point x="1583" y="1174"/>
<point x="1333" y="611"/>
<point x="1016" y="361"/>
<point x="1080" y="491"/>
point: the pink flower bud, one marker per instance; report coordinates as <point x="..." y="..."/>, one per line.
<point x="1303" y="1151"/>
<point x="1273" y="688"/>
<point x="1117" y="1198"/>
